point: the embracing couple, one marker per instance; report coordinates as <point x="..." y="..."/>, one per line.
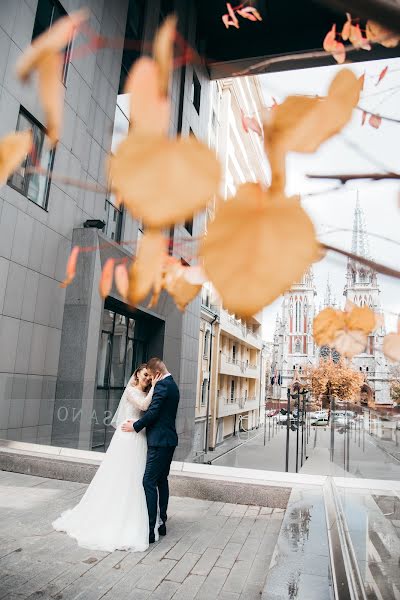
<point x="125" y="505"/>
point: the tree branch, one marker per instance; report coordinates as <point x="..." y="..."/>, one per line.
<point x="378" y="267"/>
<point x="343" y="178"/>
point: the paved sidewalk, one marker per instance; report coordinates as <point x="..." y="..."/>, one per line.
<point x="212" y="551"/>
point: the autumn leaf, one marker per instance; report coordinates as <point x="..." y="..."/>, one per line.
<point x="350" y="343"/>
<point x="256" y="247"/>
<point x="301" y="124"/>
<point x="391" y="345"/>
<point x="52" y="41"/>
<point x="164" y="181"/>
<point x="121" y="280"/>
<point x="356" y="38"/>
<point x="251" y="124"/>
<point x="331" y="45"/>
<point x="13" y="150"/>
<point x="106" y="278"/>
<point x="249" y="12"/>
<point x="195" y="275"/>
<point x="375" y="121"/>
<point x="382" y="74"/>
<point x="361" y="318"/>
<point x="51" y="93"/>
<point x="364" y="116"/>
<point x="150" y="111"/>
<point x="163" y="52"/>
<point x="177" y="285"/>
<point x="230" y="18"/>
<point x="326" y="325"/>
<point x="329" y="39"/>
<point x="147" y="267"/>
<point x="71" y="267"/>
<point x="346" y="28"/>
<point x="361" y="79"/>
<point x="379" y="34"/>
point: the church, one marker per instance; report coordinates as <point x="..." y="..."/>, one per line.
<point x="294" y="348"/>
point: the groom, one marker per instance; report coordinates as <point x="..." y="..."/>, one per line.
<point x="162" y="439"/>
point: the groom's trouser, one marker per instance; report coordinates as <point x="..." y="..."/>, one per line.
<point x="156" y="478"/>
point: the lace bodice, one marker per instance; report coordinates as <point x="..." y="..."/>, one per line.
<point x="138" y="401"/>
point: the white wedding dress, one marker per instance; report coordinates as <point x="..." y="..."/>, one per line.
<point x="112" y="514"/>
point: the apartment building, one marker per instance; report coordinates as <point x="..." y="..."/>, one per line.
<point x="230" y="394"/>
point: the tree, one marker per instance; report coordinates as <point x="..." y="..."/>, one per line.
<point x="337" y="379"/>
<point x="395" y="384"/>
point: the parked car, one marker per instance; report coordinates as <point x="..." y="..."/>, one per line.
<point x="322" y="422"/>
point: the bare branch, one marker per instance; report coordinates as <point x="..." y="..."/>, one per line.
<point x="343" y="178"/>
<point x="378" y="267"/>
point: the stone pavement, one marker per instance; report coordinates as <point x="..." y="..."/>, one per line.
<point x="212" y="551"/>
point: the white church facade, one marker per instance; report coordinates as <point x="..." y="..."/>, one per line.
<point x="294" y="348"/>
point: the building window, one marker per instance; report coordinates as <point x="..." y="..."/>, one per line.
<point x="133" y="32"/>
<point x="204" y="390"/>
<point x="188" y="225"/>
<point x="207" y="344"/>
<point x="297" y="347"/>
<point x="32" y="185"/>
<point x="196" y="92"/>
<point x="113" y="219"/>
<point x="47" y="13"/>
<point x="232" y="397"/>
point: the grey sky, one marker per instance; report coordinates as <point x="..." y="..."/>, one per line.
<point x="329" y="211"/>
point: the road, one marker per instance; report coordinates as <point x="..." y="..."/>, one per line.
<point x="357" y="452"/>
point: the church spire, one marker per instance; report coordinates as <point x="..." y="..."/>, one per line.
<point x="359" y="243"/>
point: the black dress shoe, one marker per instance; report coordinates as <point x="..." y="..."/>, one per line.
<point x="162" y="530"/>
<point x="152" y="538"/>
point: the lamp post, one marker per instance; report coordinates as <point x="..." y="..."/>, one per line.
<point x="287" y="430"/>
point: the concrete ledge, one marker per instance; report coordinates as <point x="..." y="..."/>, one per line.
<point x="238" y="486"/>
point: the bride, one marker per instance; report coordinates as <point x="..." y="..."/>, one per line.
<point x="112" y="514"/>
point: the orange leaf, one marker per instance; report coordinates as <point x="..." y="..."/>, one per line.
<point x="350" y="343"/>
<point x="375" y="121"/>
<point x="301" y="124"/>
<point x="195" y="275"/>
<point x="382" y="74"/>
<point x="163" y="52"/>
<point x="361" y="318"/>
<point x="391" y="347"/>
<point x="326" y="325"/>
<point x="329" y="39"/>
<point x="251" y="123"/>
<point x="249" y="12"/>
<point x="164" y="181"/>
<point x="251" y="235"/>
<point x="121" y="280"/>
<point x="51" y="93"/>
<point x="357" y="39"/>
<point x="53" y="40"/>
<point x="147" y="267"/>
<point x="71" y="267"/>
<point x="177" y="285"/>
<point x="364" y="116"/>
<point x="106" y="279"/>
<point x="150" y="111"/>
<point x="361" y="79"/>
<point x="379" y="34"/>
<point x="346" y="28"/>
<point x="13" y="150"/>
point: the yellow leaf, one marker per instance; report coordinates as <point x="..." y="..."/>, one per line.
<point x="121" y="280"/>
<point x="71" y="267"/>
<point x="326" y="324"/>
<point x="51" y="93"/>
<point x="257" y="246"/>
<point x="163" y="52"/>
<point x="106" y="278"/>
<point x="361" y="318"/>
<point x="163" y="181"/>
<point x="301" y="124"/>
<point x="177" y="285"/>
<point x="147" y="266"/>
<point x="13" y="149"/>
<point x="350" y="343"/>
<point x="52" y="41"/>
<point x="150" y="111"/>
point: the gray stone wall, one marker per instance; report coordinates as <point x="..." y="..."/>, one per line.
<point x="42" y="325"/>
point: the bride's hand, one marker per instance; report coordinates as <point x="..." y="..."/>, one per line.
<point x="156" y="379"/>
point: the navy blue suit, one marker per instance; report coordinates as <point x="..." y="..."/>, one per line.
<point x="162" y="439"/>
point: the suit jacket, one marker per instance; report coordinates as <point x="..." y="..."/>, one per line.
<point x="159" y="419"/>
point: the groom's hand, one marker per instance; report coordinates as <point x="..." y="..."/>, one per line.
<point x="128" y="426"/>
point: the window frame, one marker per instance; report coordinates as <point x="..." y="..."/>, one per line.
<point x="56" y="4"/>
<point x="24" y="192"/>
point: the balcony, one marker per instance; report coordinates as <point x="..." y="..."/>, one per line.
<point x="237" y="368"/>
<point x="239" y="330"/>
<point x="228" y="405"/>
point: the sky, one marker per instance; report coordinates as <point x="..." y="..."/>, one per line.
<point x="330" y="211"/>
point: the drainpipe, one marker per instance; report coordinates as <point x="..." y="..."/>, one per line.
<point x="209" y="383"/>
